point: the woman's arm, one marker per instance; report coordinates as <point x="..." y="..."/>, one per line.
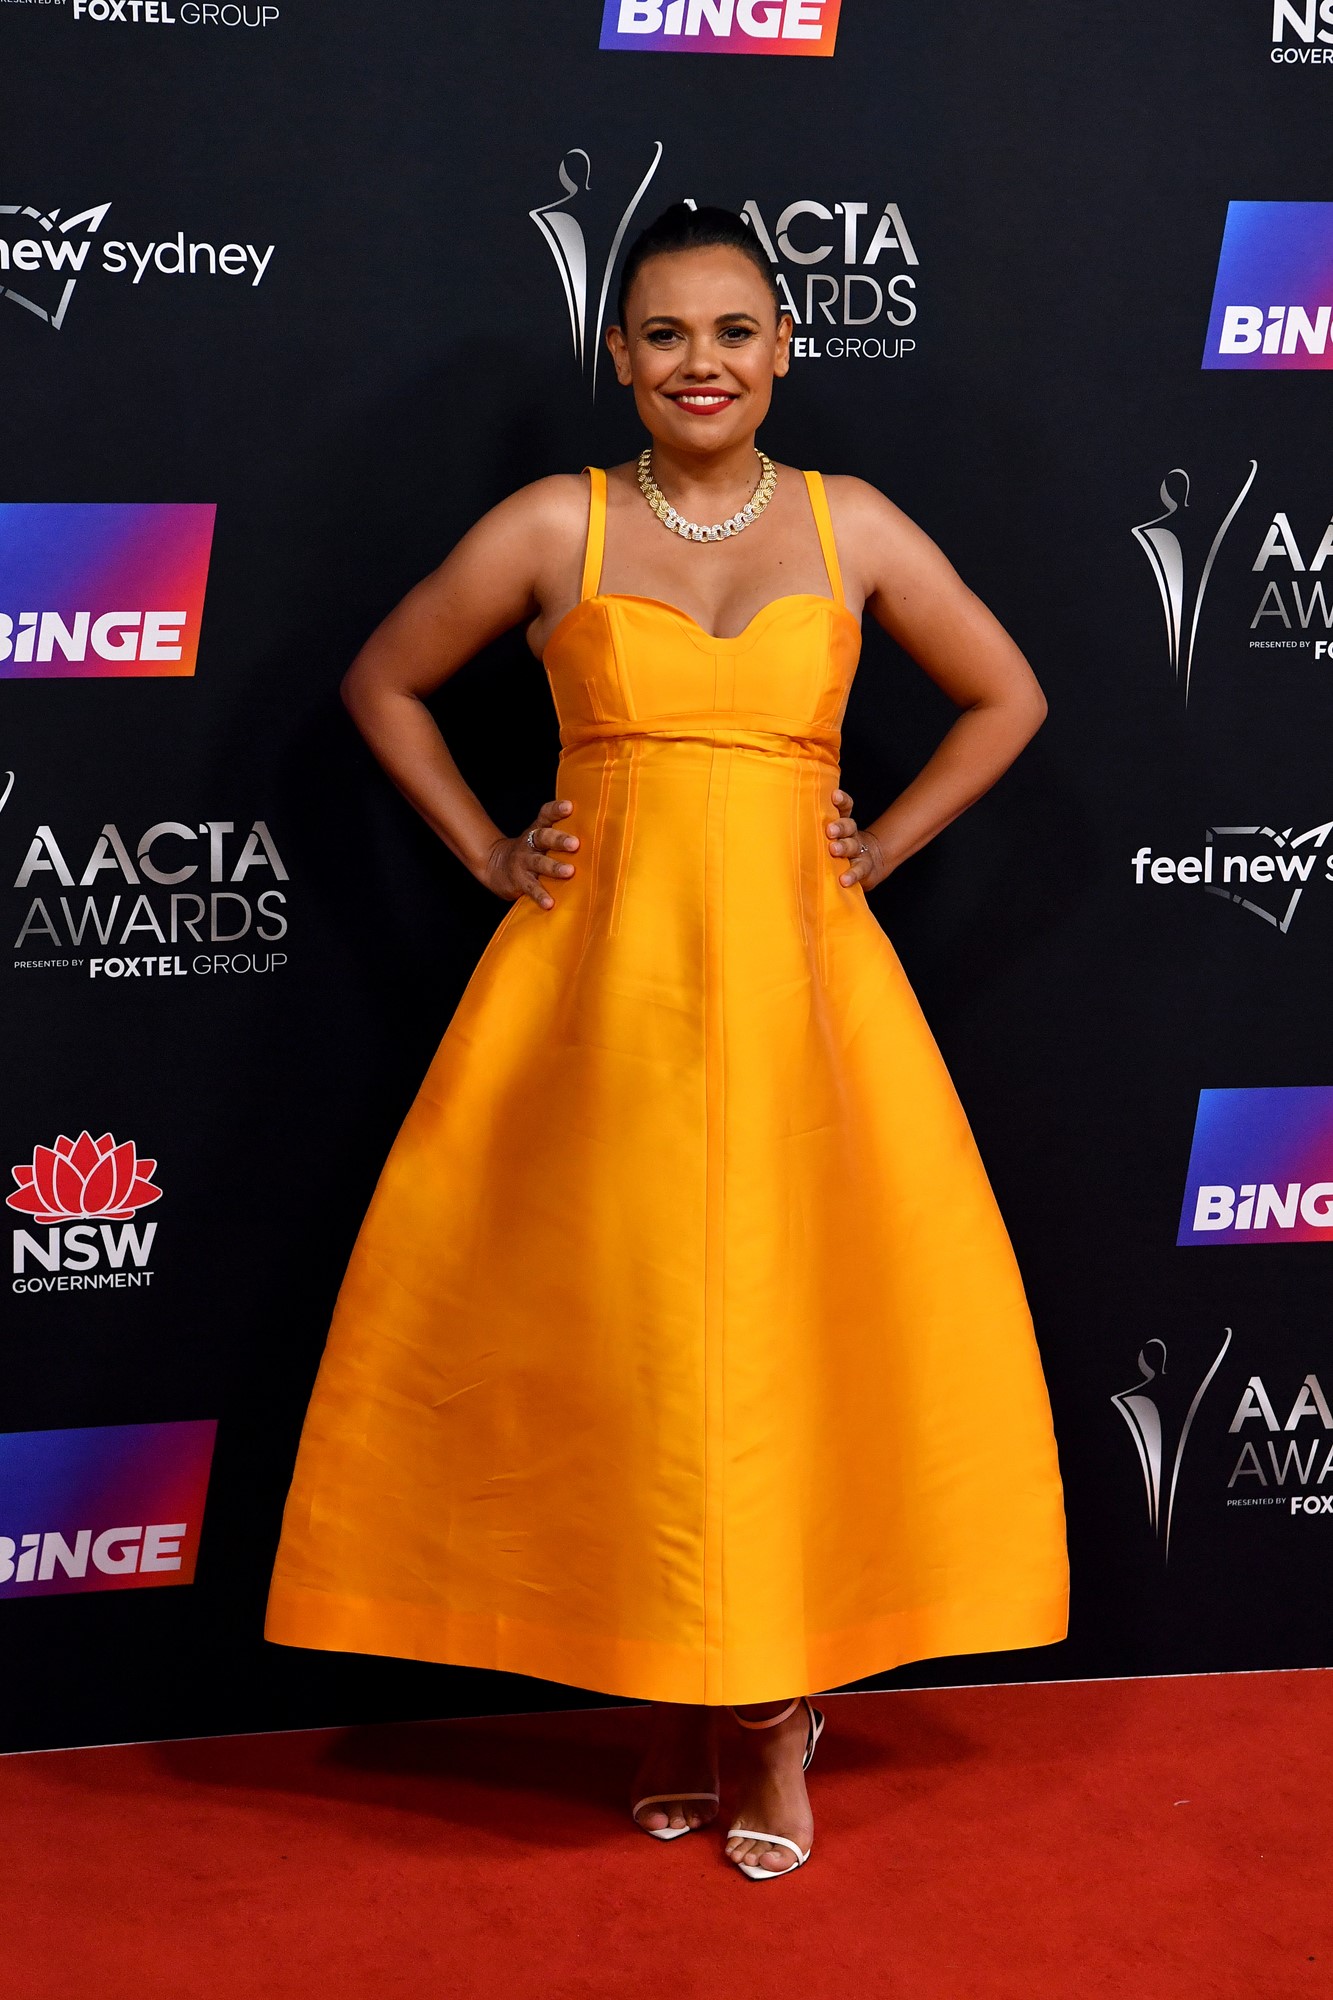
<point x="914" y="592"/>
<point x="505" y="571"/>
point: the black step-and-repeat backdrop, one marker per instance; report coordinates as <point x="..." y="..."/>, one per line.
<point x="289" y="293"/>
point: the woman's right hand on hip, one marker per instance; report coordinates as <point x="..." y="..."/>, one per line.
<point x="516" y="867"/>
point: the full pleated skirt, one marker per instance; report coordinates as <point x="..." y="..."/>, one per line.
<point x="682" y="1353"/>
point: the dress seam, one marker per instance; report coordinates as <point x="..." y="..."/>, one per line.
<point x="595" y="871"/>
<point x="631" y="762"/>
<point x="824" y="861"/>
<point x="714" y="1357"/>
<point x="798" y="853"/>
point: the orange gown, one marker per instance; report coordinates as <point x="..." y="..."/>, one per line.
<point x="682" y="1352"/>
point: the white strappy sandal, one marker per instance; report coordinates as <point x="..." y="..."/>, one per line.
<point x="779" y="1839"/>
<point x="664" y="1799"/>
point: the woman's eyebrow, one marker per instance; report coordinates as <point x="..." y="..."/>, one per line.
<point x="723" y="319"/>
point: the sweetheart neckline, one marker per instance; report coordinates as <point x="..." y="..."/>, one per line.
<point x="714" y="638"/>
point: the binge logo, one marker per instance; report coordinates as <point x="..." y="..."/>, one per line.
<point x="116" y="1508"/>
<point x="1261" y="1167"/>
<point x="1273" y="300"/>
<point x="101" y="590"/>
<point x="723" y="27"/>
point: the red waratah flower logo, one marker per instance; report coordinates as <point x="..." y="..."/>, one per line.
<point x="83" y="1177"/>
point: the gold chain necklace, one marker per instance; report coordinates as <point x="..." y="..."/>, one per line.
<point x="692" y="531"/>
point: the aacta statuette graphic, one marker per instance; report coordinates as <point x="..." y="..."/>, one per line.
<point x="1142" y="1411"/>
<point x="1162" y="546"/>
<point x="561" y="225"/>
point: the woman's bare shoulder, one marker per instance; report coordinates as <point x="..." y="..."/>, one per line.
<point x="881" y="545"/>
<point x="556" y="502"/>
<point x="866" y="520"/>
<point x="857" y="504"/>
<point x="533" y="533"/>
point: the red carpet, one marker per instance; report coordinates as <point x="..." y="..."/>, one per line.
<point x="1132" y="1839"/>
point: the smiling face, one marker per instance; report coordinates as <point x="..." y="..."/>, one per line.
<point x="701" y="348"/>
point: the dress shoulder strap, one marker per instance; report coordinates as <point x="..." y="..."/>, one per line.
<point x="596" y="543"/>
<point x="824" y="523"/>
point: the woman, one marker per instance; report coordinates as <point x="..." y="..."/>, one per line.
<point x="682" y="1353"/>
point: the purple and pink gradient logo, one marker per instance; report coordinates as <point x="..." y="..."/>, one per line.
<point x="116" y="1508"/>
<point x="722" y="27"/>
<point x="1261" y="1167"/>
<point x="90" y="590"/>
<point x="1273" y="300"/>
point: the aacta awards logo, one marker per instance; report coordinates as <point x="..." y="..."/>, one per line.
<point x="149" y="926"/>
<point x="1160" y="1443"/>
<point x="1276" y="1451"/>
<point x="722" y="27"/>
<point x="836" y="264"/>
<point x="1283" y="1471"/>
<point x="119" y="1507"/>
<point x="1282" y="611"/>
<point x="43" y="256"/>
<point x="84" y="1195"/>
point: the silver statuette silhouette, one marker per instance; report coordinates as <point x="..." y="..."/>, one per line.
<point x="1141" y="1412"/>
<point x="561" y="225"/>
<point x="1161" y="544"/>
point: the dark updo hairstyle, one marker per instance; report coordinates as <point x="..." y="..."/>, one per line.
<point x="681" y="227"/>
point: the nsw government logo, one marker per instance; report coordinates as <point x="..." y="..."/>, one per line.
<point x="119" y="1507"/>
<point x="1273" y="300"/>
<point x="105" y="591"/>
<point x="84" y="1196"/>
<point x="1261" y="1167"/>
<point x="722" y="27"/>
<point x="1302" y="31"/>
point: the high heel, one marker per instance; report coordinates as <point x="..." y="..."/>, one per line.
<point x="668" y="1798"/>
<point x="816" y="1729"/>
